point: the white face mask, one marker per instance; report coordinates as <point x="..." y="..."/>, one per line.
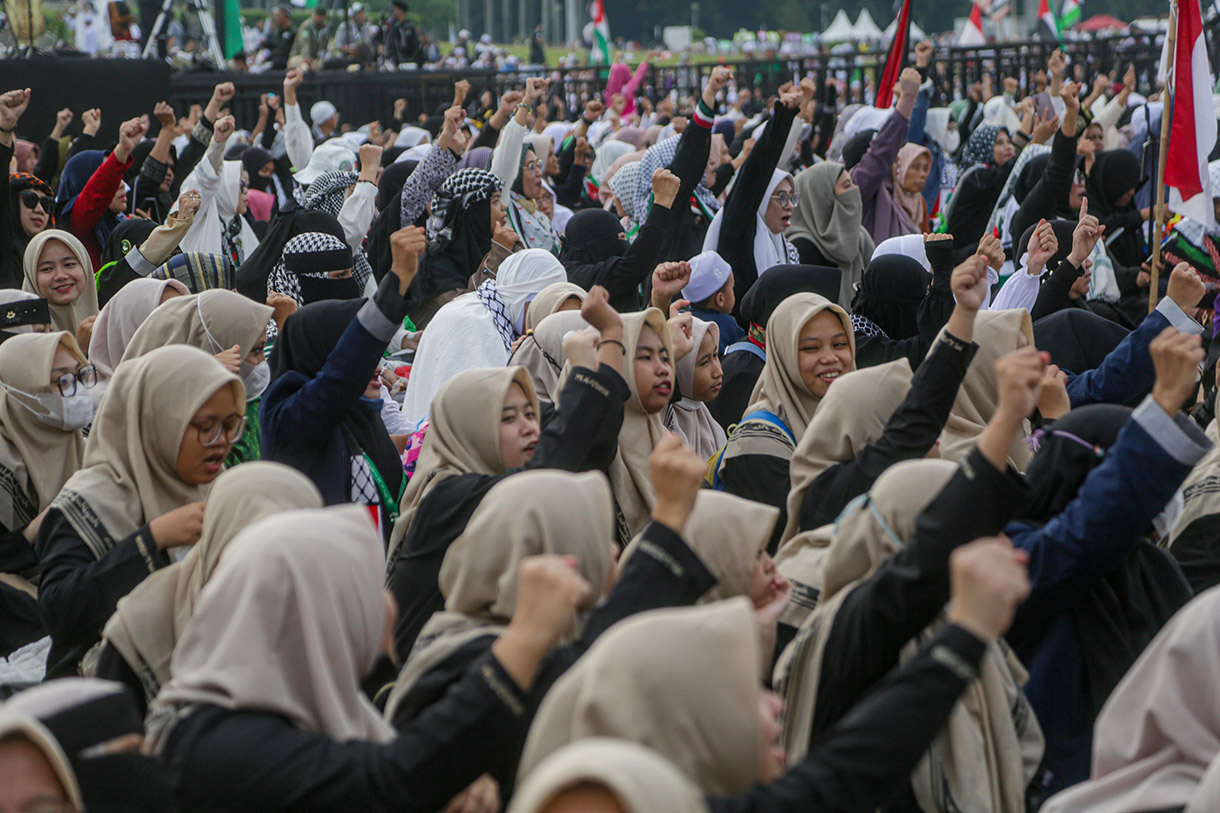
<point x="66" y="413"/>
<point x="256" y="379"/>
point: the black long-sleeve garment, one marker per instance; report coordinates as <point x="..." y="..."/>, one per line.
<point x="933" y="314"/>
<point x="685" y="229"/>
<point x="582" y="436"/>
<point x="909" y="434"/>
<point x="623" y="276"/>
<point x="1049" y="197"/>
<point x="903" y="597"/>
<point x="666" y="573"/>
<point x="222" y="760"/>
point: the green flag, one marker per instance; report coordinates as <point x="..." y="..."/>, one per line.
<point x="231" y="15"/>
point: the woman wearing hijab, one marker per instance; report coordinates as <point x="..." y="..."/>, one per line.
<point x="34" y="768"/>
<point x="118" y="322"/>
<point x="251" y="280"/>
<point x="1158" y="736"/>
<point x="520" y="170"/>
<point x="699" y="378"/>
<point x="220" y="226"/>
<point x="321" y="413"/>
<point x="911" y="170"/>
<point x="92" y="199"/>
<point x="891" y="291"/>
<point x="529" y="515"/>
<point x="150" y="620"/>
<point x="1111" y="185"/>
<point x="468" y="451"/>
<point x="827" y="230"/>
<point x="478" y="329"/>
<point x="554" y="298"/>
<point x="58" y="269"/>
<point x="349" y="198"/>
<point x="97" y="725"/>
<point x="875" y="418"/>
<point x="985" y="165"/>
<point x="316" y="267"/>
<point x="44" y="404"/>
<point x="624" y="84"/>
<point x="760" y="205"/>
<point x="810" y="344"/>
<point x="541" y="353"/>
<point x="160" y="438"/>
<point x="883" y="216"/>
<point x="295" y="731"/>
<point x="137" y="247"/>
<point x="27" y="207"/>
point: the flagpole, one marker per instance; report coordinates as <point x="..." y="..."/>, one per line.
<point x="1166" y="109"/>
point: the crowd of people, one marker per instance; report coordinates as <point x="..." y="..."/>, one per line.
<point x="717" y="453"/>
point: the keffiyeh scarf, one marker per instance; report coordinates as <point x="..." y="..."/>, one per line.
<point x="498" y="310"/>
<point x="459" y="192"/>
<point x="659" y="156"/>
<point x="328" y="194"/>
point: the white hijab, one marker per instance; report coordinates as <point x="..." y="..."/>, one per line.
<point x="770" y="249"/>
<point x="205" y="232"/>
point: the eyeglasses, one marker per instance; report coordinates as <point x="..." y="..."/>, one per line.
<point x="786" y="200"/>
<point x="213" y="432"/>
<point x="86" y="376"/>
<point x="533" y="166"/>
<point x="32" y="200"/>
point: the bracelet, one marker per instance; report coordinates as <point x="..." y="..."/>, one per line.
<point x="528" y="108"/>
<point x="622" y="346"/>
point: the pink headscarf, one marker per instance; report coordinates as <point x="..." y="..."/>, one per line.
<point x="911" y="202"/>
<point x="260" y="204"/>
<point x="621" y="80"/>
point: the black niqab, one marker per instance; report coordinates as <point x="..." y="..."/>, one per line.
<point x="290" y="221"/>
<point x="890" y="292"/>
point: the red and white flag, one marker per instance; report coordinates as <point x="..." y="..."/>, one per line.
<point x="972" y="33"/>
<point x="1192" y="134"/>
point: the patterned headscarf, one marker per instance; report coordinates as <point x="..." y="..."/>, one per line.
<point x="980" y="149"/>
<point x="657" y="157"/>
<point x="318" y="252"/>
<point x="458" y="193"/>
<point x="329" y="191"/>
<point x="498" y="310"/>
<point x="199" y="272"/>
<point x="20" y="181"/>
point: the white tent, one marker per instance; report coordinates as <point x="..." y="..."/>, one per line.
<point x="917" y="33"/>
<point x="865" y="28"/>
<point x="840" y="29"/>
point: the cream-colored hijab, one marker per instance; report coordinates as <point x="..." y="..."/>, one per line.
<point x="38" y="457"/>
<point x="129" y="475"/>
<point x="290" y="623"/>
<point x="727" y="533"/>
<point x="642" y="780"/>
<point x="463" y="435"/>
<point x="988" y="751"/>
<point x="118" y="323"/>
<point x="995" y="332"/>
<point x="15" y="723"/>
<point x="213" y="321"/>
<point x="688" y="417"/>
<point x="851" y="416"/>
<point x="63" y="317"/>
<point x="549" y="300"/>
<point x="151" y="618"/>
<point x="683" y="682"/>
<point x="541" y="351"/>
<point x="528" y="514"/>
<point x="780" y="389"/>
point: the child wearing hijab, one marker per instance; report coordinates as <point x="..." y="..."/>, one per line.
<point x="699" y="377"/>
<point x="160" y="438"/>
<point x="529" y="515"/>
<point x="478" y="329"/>
<point x="58" y="269"/>
<point x="118" y="322"/>
<point x="140" y="637"/>
<point x="828" y="229"/>
<point x="44" y="404"/>
<point x="295" y="730"/>
<point x="468" y="451"/>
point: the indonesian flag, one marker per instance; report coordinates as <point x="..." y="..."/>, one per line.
<point x="1192" y="134"/>
<point x="1047" y="17"/>
<point x="897" y="58"/>
<point x="601" y="34"/>
<point x="972" y="34"/>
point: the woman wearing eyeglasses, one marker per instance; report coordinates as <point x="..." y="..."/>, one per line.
<point x="160" y="438"/>
<point x="44" y="402"/>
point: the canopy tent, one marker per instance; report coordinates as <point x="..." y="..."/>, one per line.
<point x="1100" y="22"/>
<point x="865" y="28"/>
<point x="917" y="33"/>
<point x="840" y="29"/>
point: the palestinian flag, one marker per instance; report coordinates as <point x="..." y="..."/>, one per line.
<point x="1069" y="15"/>
<point x="601" y="35"/>
<point x="1049" y="25"/>
<point x="897" y="58"/>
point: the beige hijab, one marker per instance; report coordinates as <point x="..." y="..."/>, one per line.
<point x="37" y="458"/>
<point x="463" y="435"/>
<point x="213" y="321"/>
<point x="688" y="417"/>
<point x="63" y="317"/>
<point x="728" y="534"/>
<point x="1201" y="490"/>
<point x="801" y="560"/>
<point x="995" y="332"/>
<point x="549" y="300"/>
<point x="541" y="351"/>
<point x="129" y="475"/>
<point x="642" y="780"/>
<point x="988" y="751"/>
<point x="528" y="514"/>
<point x="150" y="619"/>
<point x="780" y="389"/>
<point x="15" y="724"/>
<point x="851" y="416"/>
<point x="1156" y="745"/>
<point x="683" y="682"/>
<point x="306" y="586"/>
<point x="118" y="323"/>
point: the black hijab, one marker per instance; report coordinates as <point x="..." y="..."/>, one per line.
<point x="252" y="160"/>
<point x="853" y="150"/>
<point x="890" y="292"/>
<point x="391" y="182"/>
<point x="782" y="281"/>
<point x="592" y="236"/>
<point x="1077" y="339"/>
<point x="303" y="345"/>
<point x="1114" y="173"/>
<point x="1063" y="233"/>
<point x="129" y="234"/>
<point x="448" y="265"/>
<point x="289" y="222"/>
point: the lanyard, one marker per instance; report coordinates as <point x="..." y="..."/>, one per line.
<point x="387" y="498"/>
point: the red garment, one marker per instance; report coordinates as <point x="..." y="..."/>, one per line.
<point x="92" y="202"/>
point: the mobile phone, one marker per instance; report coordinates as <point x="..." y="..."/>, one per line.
<point x="270" y="95"/>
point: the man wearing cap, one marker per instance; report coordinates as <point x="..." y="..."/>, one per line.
<point x="402" y="43"/>
<point x="353" y="39"/>
<point x="325" y="118"/>
<point x="313" y="37"/>
<point x="279" y="41"/>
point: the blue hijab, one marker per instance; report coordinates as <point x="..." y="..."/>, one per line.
<point x="72" y="180"/>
